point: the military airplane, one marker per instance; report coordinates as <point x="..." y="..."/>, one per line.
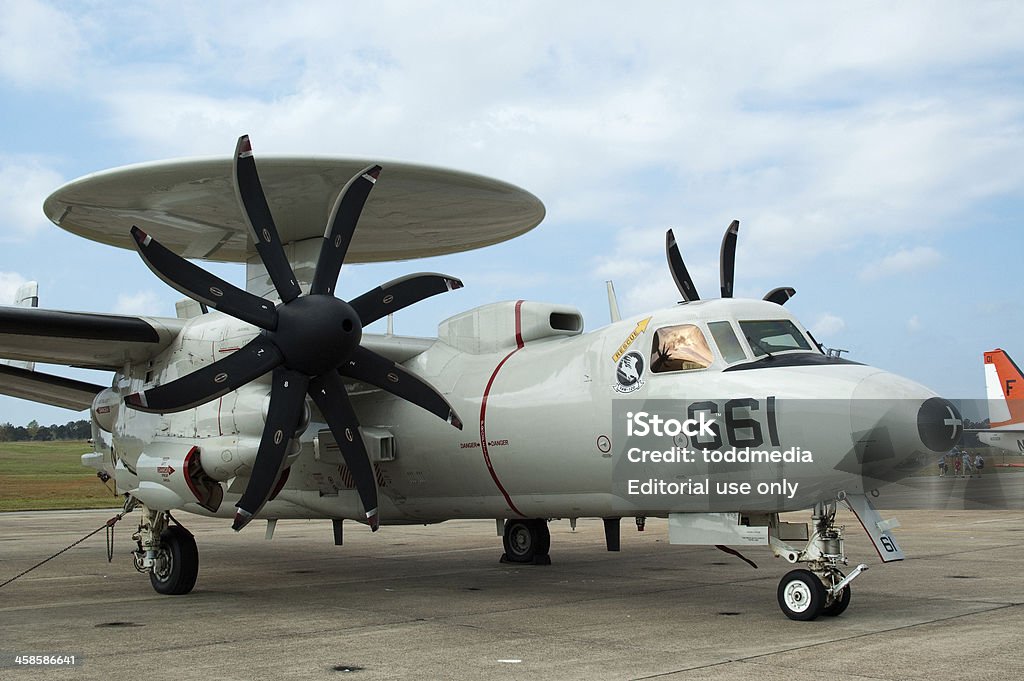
<point x="271" y="401"/>
<point x="1004" y="386"/>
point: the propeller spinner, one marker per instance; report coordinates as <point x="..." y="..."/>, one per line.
<point x="308" y="341"/>
<point x="727" y="269"/>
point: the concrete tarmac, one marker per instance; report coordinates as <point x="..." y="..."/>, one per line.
<point x="435" y="603"/>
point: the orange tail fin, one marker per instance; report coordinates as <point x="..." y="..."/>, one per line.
<point x="1005" y="388"/>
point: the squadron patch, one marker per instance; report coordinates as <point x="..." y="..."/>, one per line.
<point x="629" y="373"/>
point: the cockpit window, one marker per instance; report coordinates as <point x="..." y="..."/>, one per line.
<point x="777" y="335"/>
<point x="728" y="344"/>
<point x="680" y="348"/>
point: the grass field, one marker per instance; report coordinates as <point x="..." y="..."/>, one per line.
<point x="46" y="475"/>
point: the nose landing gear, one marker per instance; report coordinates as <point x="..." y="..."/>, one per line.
<point x="822" y="588"/>
<point x="801" y="595"/>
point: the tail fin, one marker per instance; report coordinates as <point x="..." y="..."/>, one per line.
<point x="1005" y="388"/>
<point x="27" y="296"/>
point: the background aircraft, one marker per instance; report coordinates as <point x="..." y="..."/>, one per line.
<point x="1005" y="391"/>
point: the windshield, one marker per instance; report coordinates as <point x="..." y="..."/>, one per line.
<point x="680" y="348"/>
<point x="728" y="343"/>
<point x="776" y="335"/>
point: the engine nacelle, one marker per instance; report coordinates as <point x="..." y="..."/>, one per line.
<point x="227" y="457"/>
<point x="105" y="408"/>
<point x="249" y="410"/>
<point x="171" y="475"/>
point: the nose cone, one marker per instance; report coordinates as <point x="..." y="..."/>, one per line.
<point x="939" y="424"/>
<point x="895" y="422"/>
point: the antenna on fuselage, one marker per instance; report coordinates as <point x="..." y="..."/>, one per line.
<point x="613" y="303"/>
<point x="391" y="324"/>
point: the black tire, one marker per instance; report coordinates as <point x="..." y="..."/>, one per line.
<point x="543" y="538"/>
<point x="177" y="564"/>
<point x="838" y="605"/>
<point x="801" y="595"/>
<point x="526" y="539"/>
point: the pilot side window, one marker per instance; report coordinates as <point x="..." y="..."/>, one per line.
<point x="728" y="343"/>
<point x="680" y="348"/>
<point x="776" y="335"/>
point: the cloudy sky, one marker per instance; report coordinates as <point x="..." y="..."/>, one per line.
<point x="874" y="153"/>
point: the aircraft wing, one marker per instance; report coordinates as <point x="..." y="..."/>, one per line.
<point x="81" y="339"/>
<point x="398" y="349"/>
<point x="108" y="342"/>
<point x="39" y="387"/>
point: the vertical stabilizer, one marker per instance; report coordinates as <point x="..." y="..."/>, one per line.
<point x="1005" y="389"/>
<point x="27" y="296"/>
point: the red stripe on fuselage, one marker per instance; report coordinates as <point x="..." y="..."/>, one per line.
<point x="483" y="409"/>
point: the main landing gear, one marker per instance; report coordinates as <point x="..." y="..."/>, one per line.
<point x="526" y="541"/>
<point x="822" y="588"/>
<point x="167" y="552"/>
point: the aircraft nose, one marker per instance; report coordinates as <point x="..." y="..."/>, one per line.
<point x="939" y="424"/>
<point x="895" y="420"/>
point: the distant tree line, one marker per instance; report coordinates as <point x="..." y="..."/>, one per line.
<point x="82" y="430"/>
<point x="72" y="430"/>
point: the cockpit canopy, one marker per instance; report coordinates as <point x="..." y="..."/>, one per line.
<point x="692" y="346"/>
<point x="772" y="336"/>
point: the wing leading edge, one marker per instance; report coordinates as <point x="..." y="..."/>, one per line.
<point x="46" y="388"/>
<point x="82" y="339"/>
<point x="108" y="342"/>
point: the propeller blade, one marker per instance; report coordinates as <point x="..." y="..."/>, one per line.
<point x="328" y="391"/>
<point x="287" y="398"/>
<point x="256" y="358"/>
<point x="780" y="295"/>
<point x="200" y="285"/>
<point x="261" y="223"/>
<point x="727" y="258"/>
<point x="678" y="269"/>
<point x="340" y="227"/>
<point x="369" y="367"/>
<point x="400" y="293"/>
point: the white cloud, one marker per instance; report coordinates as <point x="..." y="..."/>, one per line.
<point x="914" y="324"/>
<point x="9" y="283"/>
<point x="814" y="137"/>
<point x="818" y="139"/>
<point x="828" y="325"/>
<point x="141" y="303"/>
<point x="635" y="261"/>
<point x="902" y="262"/>
<point x="42" y="45"/>
<point x="24" y="183"/>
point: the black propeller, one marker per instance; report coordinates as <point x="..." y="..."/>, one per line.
<point x="727" y="268"/>
<point x="309" y="342"/>
<point x="678" y="269"/>
<point x="727" y="258"/>
<point x="780" y="295"/>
